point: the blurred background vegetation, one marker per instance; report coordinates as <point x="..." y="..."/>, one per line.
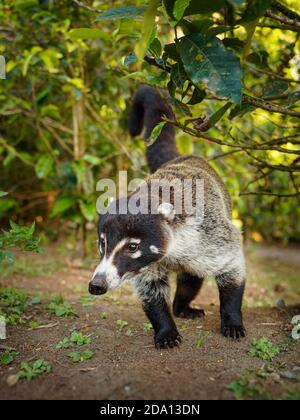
<point x="72" y="68"/>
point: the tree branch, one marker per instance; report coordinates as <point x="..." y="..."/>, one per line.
<point x="269" y="106"/>
<point x="285" y="10"/>
<point x="270" y="194"/>
<point x="86" y="7"/>
<point x="283" y="19"/>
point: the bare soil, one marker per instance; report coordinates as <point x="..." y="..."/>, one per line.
<point x="129" y="367"/>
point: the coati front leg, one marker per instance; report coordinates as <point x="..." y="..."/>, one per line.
<point x="231" y="297"/>
<point x="188" y="287"/>
<point x="154" y="297"/>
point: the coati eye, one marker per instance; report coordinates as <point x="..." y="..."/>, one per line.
<point x="133" y="247"/>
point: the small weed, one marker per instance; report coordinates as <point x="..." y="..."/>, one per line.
<point x="87" y="300"/>
<point x="121" y="324"/>
<point x="292" y="395"/>
<point x="77" y="357"/>
<point x="147" y="326"/>
<point x="104" y="315"/>
<point x="264" y="349"/>
<point x="8" y="357"/>
<point x="201" y="340"/>
<point x="75" y="339"/>
<point x="244" y="387"/>
<point x="33" y="325"/>
<point x="13" y="305"/>
<point x="63" y="344"/>
<point x="59" y="307"/>
<point x="29" y="372"/>
<point x="129" y="332"/>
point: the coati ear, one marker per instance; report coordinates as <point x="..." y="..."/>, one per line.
<point x="167" y="210"/>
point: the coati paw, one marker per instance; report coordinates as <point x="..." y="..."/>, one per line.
<point x="165" y="339"/>
<point x="189" y="313"/>
<point x="236" y="332"/>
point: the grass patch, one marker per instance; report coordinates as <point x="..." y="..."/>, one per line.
<point x="201" y="340"/>
<point x="147" y="326"/>
<point x="75" y="339"/>
<point x="61" y="308"/>
<point x="31" y="267"/>
<point x="123" y="326"/>
<point x="8" y="357"/>
<point x="77" y="357"/>
<point x="13" y="305"/>
<point x="264" y="349"/>
<point x="30" y="371"/>
<point x="247" y="387"/>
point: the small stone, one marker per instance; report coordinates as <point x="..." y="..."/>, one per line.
<point x="280" y="304"/>
<point x="287" y="375"/>
<point x="12" y="380"/>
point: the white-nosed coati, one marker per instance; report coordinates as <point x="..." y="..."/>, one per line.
<point x="146" y="248"/>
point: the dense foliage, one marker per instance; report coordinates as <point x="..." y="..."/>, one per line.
<point x="231" y="68"/>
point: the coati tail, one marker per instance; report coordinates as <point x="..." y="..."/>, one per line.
<point x="148" y="109"/>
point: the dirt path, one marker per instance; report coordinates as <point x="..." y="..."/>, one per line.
<point x="125" y="364"/>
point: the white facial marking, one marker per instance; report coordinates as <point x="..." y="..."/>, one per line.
<point x="167" y="210"/>
<point x="154" y="249"/>
<point x="137" y="254"/>
<point x="102" y="236"/>
<point x="135" y="241"/>
<point x="108" y="268"/>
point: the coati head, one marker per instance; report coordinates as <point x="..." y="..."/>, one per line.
<point x="128" y="244"/>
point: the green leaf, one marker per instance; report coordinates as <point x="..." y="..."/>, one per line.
<point x="93" y="160"/>
<point x="44" y="166"/>
<point x="149" y="22"/>
<point x="156" y="132"/>
<point x="87" y="33"/>
<point x="51" y="111"/>
<point x="3" y="193"/>
<point x="61" y="205"/>
<point x="88" y="210"/>
<point x="8" y="357"/>
<point x="195" y="7"/>
<point x="240" y="110"/>
<point x="179" y="8"/>
<point x="178" y="75"/>
<point x="219" y="114"/>
<point x="209" y="64"/>
<point x="276" y="87"/>
<point x="197" y="97"/>
<point x="255" y="9"/>
<point x="172" y="52"/>
<point x="87" y="354"/>
<point x="128" y="12"/>
<point x="25" y="4"/>
<point x="155" y="47"/>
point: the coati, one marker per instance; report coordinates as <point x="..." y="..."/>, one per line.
<point x="146" y="248"/>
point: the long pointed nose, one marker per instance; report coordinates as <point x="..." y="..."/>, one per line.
<point x="98" y="285"/>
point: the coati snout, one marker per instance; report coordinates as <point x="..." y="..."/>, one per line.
<point x="146" y="248"/>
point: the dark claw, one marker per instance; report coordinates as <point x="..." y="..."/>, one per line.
<point x="167" y="339"/>
<point x="190" y="313"/>
<point x="234" y="332"/>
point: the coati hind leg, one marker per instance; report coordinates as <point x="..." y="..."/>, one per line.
<point x="231" y="297"/>
<point x="154" y="297"/>
<point x="188" y="287"/>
